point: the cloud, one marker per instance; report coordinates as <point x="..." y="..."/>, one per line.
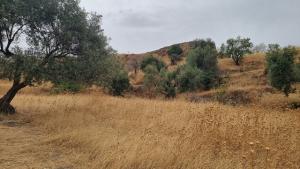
<point x="143" y="25"/>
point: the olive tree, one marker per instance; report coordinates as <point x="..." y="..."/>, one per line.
<point x="204" y="57"/>
<point x="57" y="32"/>
<point x="280" y="65"/>
<point x="237" y="48"/>
<point x="175" y="53"/>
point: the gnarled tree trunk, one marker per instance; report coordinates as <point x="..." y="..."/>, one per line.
<point x="5" y="101"/>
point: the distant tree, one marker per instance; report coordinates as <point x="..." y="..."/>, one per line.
<point x="202" y="43"/>
<point x="280" y="64"/>
<point x="151" y="60"/>
<point x="175" y="53"/>
<point x="237" y="48"/>
<point x="57" y="32"/>
<point x="260" y="48"/>
<point x="222" y="51"/>
<point x="204" y="56"/>
<point x="134" y="64"/>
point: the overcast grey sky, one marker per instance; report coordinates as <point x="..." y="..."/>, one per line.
<point x="145" y="25"/>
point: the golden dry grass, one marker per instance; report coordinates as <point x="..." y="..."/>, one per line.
<point x="90" y="131"/>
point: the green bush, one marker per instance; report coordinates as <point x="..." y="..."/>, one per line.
<point x="119" y="84"/>
<point x="167" y="84"/>
<point x="189" y="79"/>
<point x="150" y="60"/>
<point x="297" y="72"/>
<point x="151" y="78"/>
<point x="204" y="58"/>
<point x="67" y="87"/>
<point x="175" y="53"/>
<point x="280" y="65"/>
<point x="208" y="80"/>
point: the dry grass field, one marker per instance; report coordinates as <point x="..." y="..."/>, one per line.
<point x="94" y="131"/>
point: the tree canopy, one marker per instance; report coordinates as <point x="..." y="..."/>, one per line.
<point x="237" y="48"/>
<point x="174" y="53"/>
<point x="280" y="65"/>
<point x="63" y="42"/>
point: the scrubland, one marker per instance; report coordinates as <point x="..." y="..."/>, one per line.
<point x="91" y="130"/>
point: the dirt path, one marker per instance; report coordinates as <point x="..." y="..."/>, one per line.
<point x="22" y="146"/>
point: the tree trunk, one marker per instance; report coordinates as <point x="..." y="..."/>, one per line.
<point x="5" y="101"/>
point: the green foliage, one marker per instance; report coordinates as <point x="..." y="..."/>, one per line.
<point x="208" y="79"/>
<point x="280" y="65"/>
<point x="120" y="83"/>
<point x="189" y="79"/>
<point x="203" y="43"/>
<point x="151" y="60"/>
<point x="203" y="57"/>
<point x="175" y="53"/>
<point x="168" y="84"/>
<point x="67" y="87"/>
<point x="151" y="78"/>
<point x="66" y="45"/>
<point x="159" y="82"/>
<point x="222" y="51"/>
<point x="237" y="48"/>
<point x="201" y="70"/>
<point x="297" y="72"/>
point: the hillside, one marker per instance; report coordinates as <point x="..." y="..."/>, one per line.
<point x="246" y="83"/>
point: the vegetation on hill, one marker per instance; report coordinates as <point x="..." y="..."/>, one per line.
<point x="175" y="53"/>
<point x="237" y="48"/>
<point x="280" y="65"/>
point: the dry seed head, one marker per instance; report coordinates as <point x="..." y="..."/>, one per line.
<point x="251" y="143"/>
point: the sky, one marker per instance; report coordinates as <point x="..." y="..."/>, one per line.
<point x="137" y="26"/>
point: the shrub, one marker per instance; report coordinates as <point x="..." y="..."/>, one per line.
<point x="114" y="79"/>
<point x="235" y="97"/>
<point x="222" y="52"/>
<point x="208" y="79"/>
<point x="294" y="105"/>
<point x="202" y="43"/>
<point x="174" y="53"/>
<point x="66" y="87"/>
<point x="204" y="56"/>
<point x="150" y="60"/>
<point x="189" y="79"/>
<point x="167" y="84"/>
<point x="151" y="79"/>
<point x="297" y="72"/>
<point x="204" y="71"/>
<point x="280" y="65"/>
<point x="119" y="84"/>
